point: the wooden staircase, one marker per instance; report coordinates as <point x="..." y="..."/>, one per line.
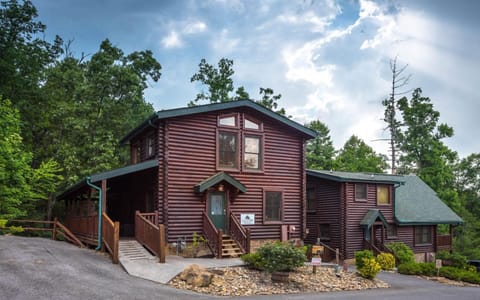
<point x="230" y="247"/>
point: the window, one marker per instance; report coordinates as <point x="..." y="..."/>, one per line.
<point x="248" y="124"/>
<point x="391" y="231"/>
<point x="423" y="235"/>
<point x="360" y="192"/>
<point x="229" y="120"/>
<point x="311" y="205"/>
<point x="273" y="206"/>
<point x="227" y="150"/>
<point x="252" y="153"/>
<point x="136" y="153"/>
<point x="324" y="232"/>
<point x="383" y="195"/>
<point x="150" y="146"/>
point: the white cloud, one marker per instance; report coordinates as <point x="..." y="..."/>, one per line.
<point x="172" y="40"/>
<point x="224" y="44"/>
<point x="194" y="27"/>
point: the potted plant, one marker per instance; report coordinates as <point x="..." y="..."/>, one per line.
<point x="281" y="258"/>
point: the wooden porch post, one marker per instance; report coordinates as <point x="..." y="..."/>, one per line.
<point x="161" y="249"/>
<point x="104" y="195"/>
<point x="116" y="237"/>
<point x="248" y="241"/>
<point x="54" y="232"/>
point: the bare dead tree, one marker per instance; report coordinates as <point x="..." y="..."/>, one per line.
<point x="399" y="81"/>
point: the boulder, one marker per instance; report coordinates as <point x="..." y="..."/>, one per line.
<point x="196" y="276"/>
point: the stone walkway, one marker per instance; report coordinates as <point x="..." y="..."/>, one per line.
<point x="139" y="262"/>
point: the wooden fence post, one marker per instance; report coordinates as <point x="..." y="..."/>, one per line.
<point x="248" y="241"/>
<point x="54" y="232"/>
<point x="337" y="256"/>
<point x="116" y="236"/>
<point x="220" y="244"/>
<point x="161" y="250"/>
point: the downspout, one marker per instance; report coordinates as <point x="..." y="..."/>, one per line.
<point x="99" y="242"/>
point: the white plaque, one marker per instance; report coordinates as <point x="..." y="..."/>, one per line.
<point x="247" y="219"/>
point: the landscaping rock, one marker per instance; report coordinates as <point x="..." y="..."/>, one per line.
<point x="196" y="276"/>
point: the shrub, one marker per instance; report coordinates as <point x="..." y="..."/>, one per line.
<point x="402" y="252"/>
<point x="360" y="255"/>
<point x="413" y="268"/>
<point x="281" y="257"/>
<point x="254" y="261"/>
<point x="386" y="261"/>
<point x="460" y="274"/>
<point x="370" y="268"/>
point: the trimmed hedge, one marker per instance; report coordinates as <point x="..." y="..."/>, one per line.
<point x="428" y="269"/>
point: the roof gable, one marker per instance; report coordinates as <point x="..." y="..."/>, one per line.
<point x="185" y="111"/>
<point x="217" y="178"/>
<point x="371" y="217"/>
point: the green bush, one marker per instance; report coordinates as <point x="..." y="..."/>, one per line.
<point x="386" y="261"/>
<point x="370" y="268"/>
<point x="460" y="274"/>
<point x="281" y="257"/>
<point x="453" y="260"/>
<point x="402" y="252"/>
<point x="360" y="255"/>
<point x="413" y="268"/>
<point x="254" y="261"/>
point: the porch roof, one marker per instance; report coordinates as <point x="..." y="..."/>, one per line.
<point x="371" y="217"/>
<point x="217" y="178"/>
<point x="339" y="176"/>
<point x="110" y="174"/>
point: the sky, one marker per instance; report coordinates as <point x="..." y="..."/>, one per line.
<point x="330" y="60"/>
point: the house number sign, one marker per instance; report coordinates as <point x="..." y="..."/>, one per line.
<point x="247" y="219"/>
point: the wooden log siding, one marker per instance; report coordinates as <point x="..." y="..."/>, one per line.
<point x="189" y="153"/>
<point x="406" y="234"/>
<point x="355" y="211"/>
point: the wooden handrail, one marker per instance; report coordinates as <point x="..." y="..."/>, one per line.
<point x="214" y="236"/>
<point x="110" y="236"/>
<point x="239" y="233"/>
<point x="150" y="235"/>
<point x="152" y="217"/>
<point x="372" y="247"/>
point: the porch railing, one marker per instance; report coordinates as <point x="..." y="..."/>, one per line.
<point x="214" y="236"/>
<point x="150" y="235"/>
<point x="110" y="236"/>
<point x="85" y="228"/>
<point x="444" y="242"/>
<point x="152" y="217"/>
<point x="370" y="246"/>
<point x="239" y="233"/>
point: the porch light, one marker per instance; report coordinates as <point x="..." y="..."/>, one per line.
<point x="220" y="188"/>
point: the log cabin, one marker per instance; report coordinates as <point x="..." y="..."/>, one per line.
<point x="357" y="211"/>
<point x="233" y="172"/>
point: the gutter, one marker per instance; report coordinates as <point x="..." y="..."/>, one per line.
<point x="99" y="242"/>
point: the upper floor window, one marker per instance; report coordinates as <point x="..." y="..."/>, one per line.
<point x="249" y="124"/>
<point x="273" y="206"/>
<point x="423" y="235"/>
<point x="252" y="153"/>
<point x="383" y="194"/>
<point x="227" y="150"/>
<point x="360" y="192"/>
<point x="150" y="146"/>
<point x="228" y="120"/>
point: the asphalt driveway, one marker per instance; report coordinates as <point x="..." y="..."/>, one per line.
<point x="36" y="268"/>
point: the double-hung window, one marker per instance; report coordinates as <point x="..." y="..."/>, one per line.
<point x="383" y="195"/>
<point x="227" y="150"/>
<point x="252" y="152"/>
<point x="273" y="207"/>
<point x="423" y="235"/>
<point x="360" y="192"/>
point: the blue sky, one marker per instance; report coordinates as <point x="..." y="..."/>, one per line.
<point x="329" y="59"/>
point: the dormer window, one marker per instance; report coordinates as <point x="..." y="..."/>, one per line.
<point x="150" y="146"/>
<point x="228" y="120"/>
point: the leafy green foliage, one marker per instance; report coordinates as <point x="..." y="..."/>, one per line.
<point x="370" y="268"/>
<point x="460" y="274"/>
<point x="254" y="261"/>
<point x="357" y="156"/>
<point x="281" y="257"/>
<point x="414" y="268"/>
<point x="452" y="259"/>
<point x="402" y="252"/>
<point x="360" y="256"/>
<point x="386" y="261"/>
<point x="320" y="152"/>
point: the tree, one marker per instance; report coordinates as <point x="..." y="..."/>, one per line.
<point x="423" y="152"/>
<point x="398" y="81"/>
<point x="220" y="86"/>
<point x="356" y="156"/>
<point x="320" y="151"/>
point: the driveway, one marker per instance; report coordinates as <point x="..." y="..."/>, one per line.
<point x="37" y="268"/>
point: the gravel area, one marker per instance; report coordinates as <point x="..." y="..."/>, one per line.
<point x="241" y="281"/>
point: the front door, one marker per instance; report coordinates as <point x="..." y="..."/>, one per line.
<point x="217" y="206"/>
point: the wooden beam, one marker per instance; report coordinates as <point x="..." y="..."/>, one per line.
<point x="104" y="195"/>
<point x="161" y="254"/>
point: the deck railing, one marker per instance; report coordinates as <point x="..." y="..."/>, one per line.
<point x="371" y="246"/>
<point x="85" y="228"/>
<point x="329" y="253"/>
<point x="110" y="236"/>
<point x="239" y="233"/>
<point x="214" y="236"/>
<point x="444" y="242"/>
<point x="150" y="235"/>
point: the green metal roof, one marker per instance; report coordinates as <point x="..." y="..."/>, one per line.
<point x="371" y="217"/>
<point x="355" y="177"/>
<point x="217" y="178"/>
<point x="111" y="174"/>
<point x="417" y="204"/>
<point x="185" y="111"/>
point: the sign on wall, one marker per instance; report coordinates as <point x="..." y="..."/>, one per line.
<point x="247" y="219"/>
